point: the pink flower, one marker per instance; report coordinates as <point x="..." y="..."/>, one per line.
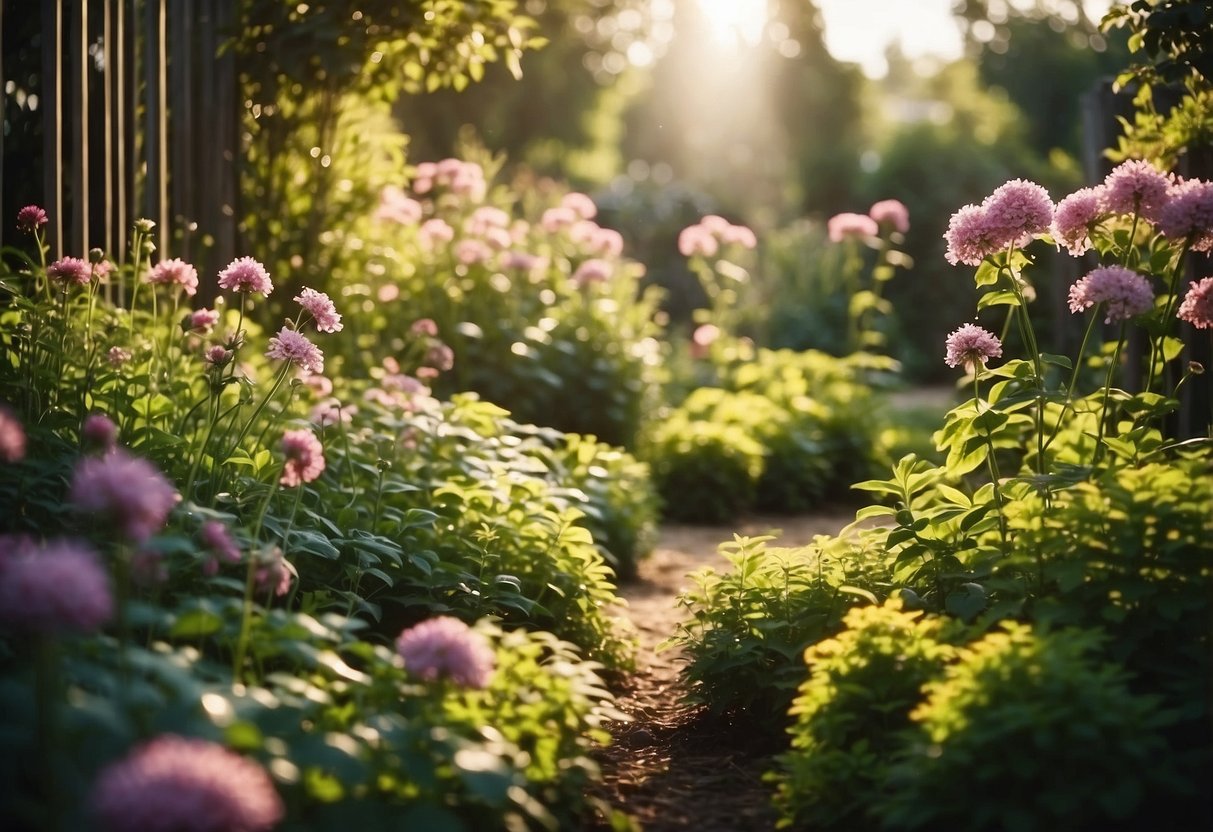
<point x="424" y="327"/>
<point x="12" y="436"/>
<point x="217" y="355"/>
<point x="125" y="490"/>
<point x="591" y="271"/>
<point x="849" y="226"/>
<point x="1075" y="217"/>
<point x="445" y="647"/>
<point x="971" y="345"/>
<point x="440" y="357"/>
<point x="246" y="276"/>
<point x="274" y="573"/>
<point x="304" y="458"/>
<point x="697" y="240"/>
<point x="891" y="212"/>
<point x="1197" y="306"/>
<point x="31" y="218"/>
<point x="470" y="252"/>
<point x="579" y="204"/>
<point x="322" y="310"/>
<point x="715" y="224"/>
<point x="388" y="292"/>
<point x="396" y="206"/>
<point x="606" y="242"/>
<point x="200" y="321"/>
<point x="99" y="431"/>
<point x="1017" y="211"/>
<point x="970" y="237"/>
<point x="318" y="384"/>
<point x="555" y="219"/>
<point x="61" y="588"/>
<point x="702" y="338"/>
<point x="174" y="783"/>
<point x="1188" y="213"/>
<point x="433" y="232"/>
<point x="175" y="272"/>
<point x="218" y="540"/>
<point x="1135" y="186"/>
<point x="741" y="235"/>
<point x="292" y="346"/>
<point x="331" y="412"/>
<point x="70" y="270"/>
<point x="1124" y="293"/>
<point x="486" y="217"/>
<point x="523" y="261"/>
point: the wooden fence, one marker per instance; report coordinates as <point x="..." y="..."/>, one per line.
<point x="139" y="118"/>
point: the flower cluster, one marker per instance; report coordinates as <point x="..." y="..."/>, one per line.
<point x="1124" y="293"/>
<point x="219" y="544"/>
<point x="31" y="218"/>
<point x="1197" y="306"/>
<point x="100" y="432"/>
<point x="706" y="236"/>
<point x="892" y="213"/>
<point x="59" y="588"/>
<point x="464" y="179"/>
<point x="445" y="647"/>
<point x="125" y="490"/>
<point x="175" y="272"/>
<point x="246" y="276"/>
<point x="322" y="310"/>
<point x="69" y="270"/>
<point x="1014" y="213"/>
<point x="173" y="783"/>
<point x="851" y="226"/>
<point x="971" y="345"/>
<point x="294" y="347"/>
<point x="304" y="457"/>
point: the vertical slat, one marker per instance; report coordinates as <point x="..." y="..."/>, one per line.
<point x="157" y="125"/>
<point x="78" y="117"/>
<point x="52" y="121"/>
<point x="181" y="122"/>
<point x="2" y="225"/>
<point x="107" y="131"/>
<point x="227" y="126"/>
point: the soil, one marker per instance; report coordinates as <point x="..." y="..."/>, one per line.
<point x="668" y="768"/>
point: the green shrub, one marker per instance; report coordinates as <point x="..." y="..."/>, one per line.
<point x="849" y="713"/>
<point x="1028" y="730"/>
<point x="706" y="471"/>
<point x="749" y="626"/>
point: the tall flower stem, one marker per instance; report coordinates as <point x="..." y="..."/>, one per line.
<point x="1082" y="351"/>
<point x="1156" y="345"/>
<point x="1107" y="390"/>
<point x="1029" y="339"/>
<point x="991" y="459"/>
<point x="246" y="614"/>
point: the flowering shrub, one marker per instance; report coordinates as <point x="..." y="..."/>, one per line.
<point x="209" y="548"/>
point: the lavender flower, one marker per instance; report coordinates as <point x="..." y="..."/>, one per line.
<point x="125" y="490"/>
<point x="176" y="783"/>
<point x="304" y="457"/>
<point x="99" y="431"/>
<point x="1188" y="214"/>
<point x="175" y="272"/>
<point x="322" y="310"/>
<point x="246" y="276"/>
<point x="292" y="346"/>
<point x="1135" y="186"/>
<point x="445" y="647"/>
<point x="1197" y="306"/>
<point x="591" y="271"/>
<point x="68" y="270"/>
<point x="1075" y="217"/>
<point x="848" y="226"/>
<point x="971" y="345"/>
<point x="61" y="588"/>
<point x="1123" y="292"/>
<point x="218" y="540"/>
<point x="31" y="218"/>
<point x="1017" y="211"/>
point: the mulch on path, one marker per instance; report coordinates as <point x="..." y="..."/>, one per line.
<point x="668" y="769"/>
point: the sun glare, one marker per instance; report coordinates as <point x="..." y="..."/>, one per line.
<point x="735" y="22"/>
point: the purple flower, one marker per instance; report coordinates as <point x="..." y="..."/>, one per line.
<point x="1123" y="292"/>
<point x="175" y="272"/>
<point x="304" y="457"/>
<point x="1188" y="213"/>
<point x="125" y="490"/>
<point x="99" y="431"/>
<point x="70" y="270"/>
<point x="1197" y="306"/>
<point x="329" y="412"/>
<point x="117" y="356"/>
<point x="200" y="321"/>
<point x="61" y="588"/>
<point x="971" y="345"/>
<point x="292" y="346"/>
<point x="1074" y="218"/>
<point x="1017" y="211"/>
<point x="970" y="237"/>
<point x="31" y="218"/>
<point x="891" y="212"/>
<point x="849" y="226"/>
<point x="12" y="436"/>
<point x="217" y="355"/>
<point x="246" y="276"/>
<point x="218" y="540"/>
<point x="1135" y="186"/>
<point x="174" y="783"/>
<point x="322" y="310"/>
<point x="445" y="647"/>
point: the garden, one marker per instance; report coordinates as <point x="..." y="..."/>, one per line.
<point x="517" y="442"/>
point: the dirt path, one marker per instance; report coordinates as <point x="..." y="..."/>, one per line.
<point x="664" y="769"/>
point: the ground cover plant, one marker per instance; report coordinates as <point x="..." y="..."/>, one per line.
<point x="315" y="600"/>
<point x="1061" y="543"/>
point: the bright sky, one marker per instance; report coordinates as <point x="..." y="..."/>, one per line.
<point x="859" y="31"/>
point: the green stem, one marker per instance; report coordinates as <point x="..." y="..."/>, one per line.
<point x="1156" y="346"/>
<point x="246" y="613"/>
<point x="991" y="460"/>
<point x="1082" y="350"/>
<point x="1107" y="390"/>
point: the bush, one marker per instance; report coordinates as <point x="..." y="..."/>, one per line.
<point x="705" y="471"/>
<point x="1028" y="730"/>
<point x="748" y="627"/>
<point x="849" y="713"/>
